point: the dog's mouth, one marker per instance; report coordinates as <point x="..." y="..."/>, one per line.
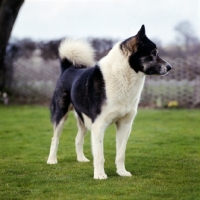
<point x="159" y="71"/>
<point x="164" y="74"/>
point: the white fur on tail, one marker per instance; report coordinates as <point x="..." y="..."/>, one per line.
<point x="79" y="52"/>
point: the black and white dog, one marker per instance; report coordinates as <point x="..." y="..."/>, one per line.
<point x="102" y="94"/>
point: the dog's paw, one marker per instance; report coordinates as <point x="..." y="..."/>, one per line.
<point x="124" y="173"/>
<point x="52" y="161"/>
<point x="83" y="159"/>
<point x="100" y="176"/>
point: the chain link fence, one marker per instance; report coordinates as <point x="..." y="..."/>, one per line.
<point x="32" y="80"/>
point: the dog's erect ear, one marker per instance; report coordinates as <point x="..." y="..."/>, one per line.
<point x="141" y="33"/>
<point x="131" y="43"/>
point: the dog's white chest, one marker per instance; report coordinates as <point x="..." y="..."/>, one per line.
<point x="123" y="93"/>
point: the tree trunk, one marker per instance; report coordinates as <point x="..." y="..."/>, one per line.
<point x="8" y="13"/>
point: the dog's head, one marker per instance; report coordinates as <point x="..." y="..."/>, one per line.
<point x="143" y="55"/>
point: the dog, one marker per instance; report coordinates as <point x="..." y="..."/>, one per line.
<point x="102" y="94"/>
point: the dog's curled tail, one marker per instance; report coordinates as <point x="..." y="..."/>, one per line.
<point x="78" y="53"/>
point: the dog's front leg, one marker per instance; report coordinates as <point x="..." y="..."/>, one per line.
<point x="123" y="131"/>
<point x="97" y="134"/>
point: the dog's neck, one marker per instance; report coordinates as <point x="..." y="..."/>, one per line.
<point x="116" y="65"/>
<point x="119" y="77"/>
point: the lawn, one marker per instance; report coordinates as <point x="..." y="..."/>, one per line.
<point x="163" y="155"/>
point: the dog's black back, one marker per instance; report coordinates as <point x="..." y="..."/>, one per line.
<point x="89" y="90"/>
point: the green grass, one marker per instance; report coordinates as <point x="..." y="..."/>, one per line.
<point x="163" y="155"/>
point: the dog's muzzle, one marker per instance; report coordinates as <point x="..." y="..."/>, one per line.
<point x="168" y="67"/>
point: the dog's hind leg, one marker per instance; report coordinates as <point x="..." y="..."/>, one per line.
<point x="80" y="141"/>
<point x="55" y="141"/>
<point x="59" y="111"/>
<point x="123" y="131"/>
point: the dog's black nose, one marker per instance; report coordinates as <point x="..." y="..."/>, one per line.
<point x="169" y="67"/>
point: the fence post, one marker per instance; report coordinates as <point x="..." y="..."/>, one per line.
<point x="197" y="92"/>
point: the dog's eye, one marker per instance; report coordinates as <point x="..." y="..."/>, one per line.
<point x="154" y="52"/>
